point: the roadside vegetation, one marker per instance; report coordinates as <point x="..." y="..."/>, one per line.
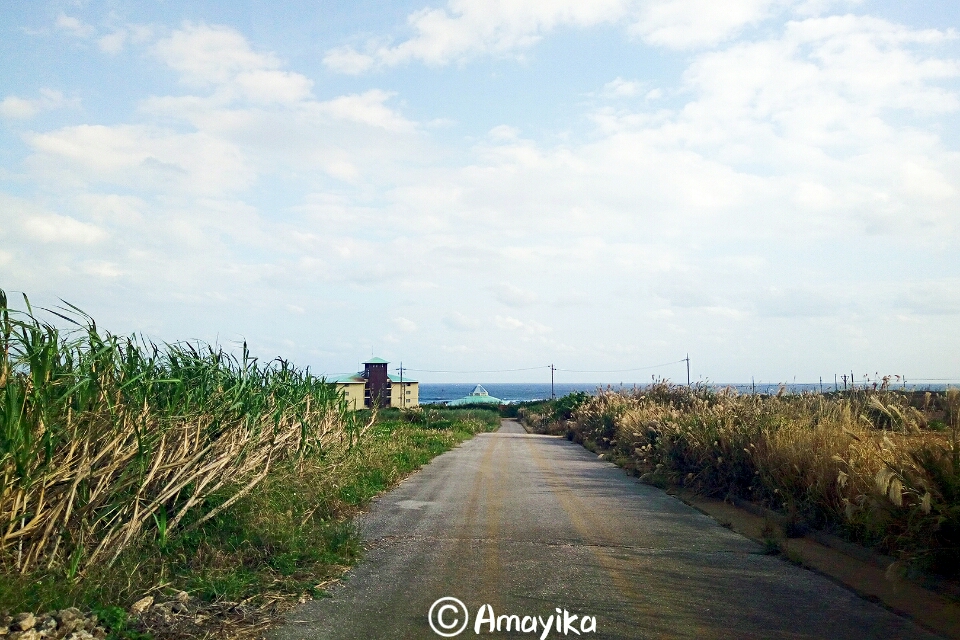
<point x="129" y="468"/>
<point x="878" y="467"/>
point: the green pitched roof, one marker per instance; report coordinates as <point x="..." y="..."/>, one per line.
<point x="376" y="361"/>
<point x="406" y="379"/>
<point x="479" y="395"/>
<point x="346" y="377"/>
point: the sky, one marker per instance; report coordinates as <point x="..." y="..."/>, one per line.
<point x="769" y="186"/>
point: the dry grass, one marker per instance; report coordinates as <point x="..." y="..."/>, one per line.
<point x="867" y="465"/>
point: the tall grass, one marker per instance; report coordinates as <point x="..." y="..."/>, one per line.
<point x="868" y="465"/>
<point x="105" y="437"/>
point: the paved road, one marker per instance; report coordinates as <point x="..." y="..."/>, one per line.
<point x="529" y="524"/>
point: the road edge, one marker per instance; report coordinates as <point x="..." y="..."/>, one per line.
<point x="861" y="570"/>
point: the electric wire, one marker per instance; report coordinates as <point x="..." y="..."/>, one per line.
<point x="544" y="366"/>
<point x="656" y="366"/>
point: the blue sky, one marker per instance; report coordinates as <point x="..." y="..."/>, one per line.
<point x="770" y="185"/>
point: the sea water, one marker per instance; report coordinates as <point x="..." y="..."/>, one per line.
<point x="433" y="392"/>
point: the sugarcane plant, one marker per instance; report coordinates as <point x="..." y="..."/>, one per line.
<point x="104" y="437"/>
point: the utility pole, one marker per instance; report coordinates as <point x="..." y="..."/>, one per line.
<point x="688" y="370"/>
<point x="821" y="385"/>
<point x="403" y="392"/>
<point x="552" y="394"/>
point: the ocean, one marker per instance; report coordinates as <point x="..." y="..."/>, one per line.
<point x="433" y="393"/>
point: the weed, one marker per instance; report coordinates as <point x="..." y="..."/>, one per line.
<point x="771" y="541"/>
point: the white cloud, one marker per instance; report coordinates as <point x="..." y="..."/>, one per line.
<point x="102" y="269"/>
<point x="206" y="55"/>
<point x="220" y="57"/>
<point x="366" y="108"/>
<point x="347" y="60"/>
<point x="141" y="156"/>
<point x="799" y="107"/>
<point x="528" y="327"/>
<point x="74" y="26"/>
<point x="504" y="132"/>
<point x="620" y="88"/>
<point x="468" y="28"/>
<point x="513" y="296"/>
<point x="686" y="293"/>
<point x="266" y="86"/>
<point x="803" y="302"/>
<point x="813" y="8"/>
<point x="460" y="322"/>
<point x="342" y="170"/>
<point x="684" y="24"/>
<point x="940" y="297"/>
<point x="113" y="208"/>
<point x="18" y="108"/>
<point x="405" y="325"/>
<point x="61" y="229"/>
<point x="115" y="41"/>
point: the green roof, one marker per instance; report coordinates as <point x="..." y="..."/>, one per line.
<point x="479" y="395"/>
<point x="376" y="361"/>
<point x="394" y="378"/>
<point x="346" y="377"/>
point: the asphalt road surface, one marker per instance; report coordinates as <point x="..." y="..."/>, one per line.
<point x="531" y="524"/>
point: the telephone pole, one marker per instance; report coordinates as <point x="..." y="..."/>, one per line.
<point x="552" y="394"/>
<point x="688" y="370"/>
<point x="403" y="392"/>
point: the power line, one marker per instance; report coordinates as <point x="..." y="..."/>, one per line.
<point x="656" y="366"/>
<point x="544" y="366"/>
